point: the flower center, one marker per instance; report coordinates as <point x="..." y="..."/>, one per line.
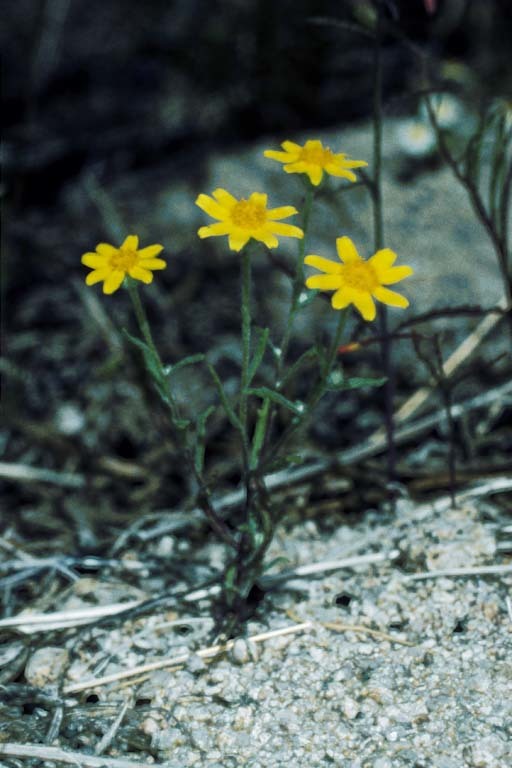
<point x="360" y="275"/>
<point x="248" y="215"/>
<point x="123" y="260"/>
<point x="316" y="155"/>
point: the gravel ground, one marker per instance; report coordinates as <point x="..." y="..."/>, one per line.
<point x="424" y="681"/>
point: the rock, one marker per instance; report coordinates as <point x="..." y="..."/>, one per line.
<point x="244" y="651"/>
<point x="350" y="708"/>
<point x="46" y="666"/>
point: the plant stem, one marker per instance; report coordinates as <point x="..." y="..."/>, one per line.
<point x="378" y="235"/>
<point x="246" y="335"/>
<point x="300" y="421"/>
<point x="298" y="281"/>
<point x="297" y="287"/>
<point x="203" y="494"/>
<point x="142" y="320"/>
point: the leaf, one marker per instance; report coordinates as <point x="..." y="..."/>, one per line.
<point x="152" y="364"/>
<point x="229" y="578"/>
<point x="200" y="438"/>
<point x="233" y="418"/>
<point x="309" y="354"/>
<point x="355" y="382"/>
<point x="277" y="397"/>
<point x="258" y="353"/>
<point x="283" y="462"/>
<point x="251" y="528"/>
<point x="259" y="432"/>
<point x="190" y="360"/>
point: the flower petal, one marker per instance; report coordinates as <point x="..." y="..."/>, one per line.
<point x="324" y="282"/>
<point x="291" y="146"/>
<point x="224" y="197"/>
<point x="391" y="298"/>
<point x="282" y="157"/>
<point x="258" y="198"/>
<point x="149" y="251"/>
<point x="152" y="263"/>
<point x="94" y="260"/>
<point x="363" y="302"/>
<point x="105" y="249"/>
<point x="296" y="167"/>
<point x="97" y="276"/>
<point x="341" y="159"/>
<point x="237" y="240"/>
<point x="383" y="259"/>
<point x="315" y="173"/>
<point x="325" y="265"/>
<point x="213" y="230"/>
<point x="347" y="250"/>
<point x="113" y="281"/>
<point x="266" y="237"/>
<point x="313" y="144"/>
<point x="139" y="273"/>
<point x="131" y="243"/>
<point x="286" y="230"/>
<point x="340" y="299"/>
<point x="341" y="173"/>
<point x="395" y="274"/>
<point x="281" y="213"/>
<point x="211" y="207"/>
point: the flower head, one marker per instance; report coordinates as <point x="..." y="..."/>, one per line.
<point x="110" y="265"/>
<point x="356" y="281"/>
<point x="244" y="219"/>
<point x="415" y="138"/>
<point x="313" y="158"/>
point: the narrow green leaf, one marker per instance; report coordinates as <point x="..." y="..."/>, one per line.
<point x="278" y="398"/>
<point x="309" y="354"/>
<point x="233" y="418"/>
<point x="200" y="438"/>
<point x="190" y="360"/>
<point x="229" y="578"/>
<point x="354" y="382"/>
<point x="259" y="432"/>
<point x="152" y="365"/>
<point x="283" y="462"/>
<point x="258" y="354"/>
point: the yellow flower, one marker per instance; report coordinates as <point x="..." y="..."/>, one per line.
<point x="356" y="281"/>
<point x="111" y="265"/>
<point x="243" y="219"/>
<point x="313" y="158"/>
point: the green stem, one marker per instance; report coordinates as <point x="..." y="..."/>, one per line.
<point x="298" y="282"/>
<point x="297" y="288"/>
<point x="300" y="421"/>
<point x="203" y="496"/>
<point x="142" y="320"/>
<point x="246" y="354"/>
<point x="378" y="236"/>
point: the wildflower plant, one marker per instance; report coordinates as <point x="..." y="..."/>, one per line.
<point x="111" y="265"/>
<point x="251" y="226"/>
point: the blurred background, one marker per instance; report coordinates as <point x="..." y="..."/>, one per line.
<point x="117" y="114"/>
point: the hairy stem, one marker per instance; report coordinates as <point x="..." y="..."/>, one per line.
<point x="378" y="236"/>
<point x="203" y="494"/>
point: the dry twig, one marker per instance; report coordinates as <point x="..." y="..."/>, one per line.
<point x="57" y="755"/>
<point x="204" y="653"/>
